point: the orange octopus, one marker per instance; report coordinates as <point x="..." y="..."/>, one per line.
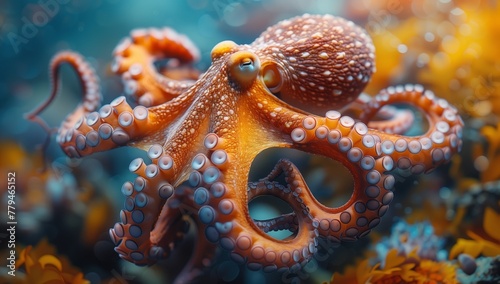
<point x="202" y="133"/>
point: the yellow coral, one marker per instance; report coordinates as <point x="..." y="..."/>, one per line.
<point x="488" y="245"/>
<point x="41" y="264"/>
<point x="465" y="68"/>
<point x="452" y="50"/>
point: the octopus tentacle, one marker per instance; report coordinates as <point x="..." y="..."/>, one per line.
<point x="392" y="120"/>
<point x="359" y="215"/>
<point x="285" y="221"/>
<point x="181" y="202"/>
<point x="388" y="118"/>
<point x="117" y="124"/>
<point x="135" y="57"/>
<point x="203" y="131"/>
<point x="201" y="259"/>
<point x="113" y="125"/>
<point x="226" y="222"/>
<point x="415" y="155"/>
<point x="145" y="198"/>
<point x="90" y="89"/>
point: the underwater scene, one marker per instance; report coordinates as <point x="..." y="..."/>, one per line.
<point x="249" y="141"/>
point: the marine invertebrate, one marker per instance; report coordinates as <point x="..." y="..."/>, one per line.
<point x="202" y="134"/>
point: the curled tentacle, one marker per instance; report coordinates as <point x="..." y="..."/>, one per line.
<point x="135" y="58"/>
<point x="201" y="259"/>
<point x="343" y="139"/>
<point x="359" y="215"/>
<point x="415" y="155"/>
<point x="227" y="224"/>
<point x="203" y="253"/>
<point x="88" y="81"/>
<point x="392" y="120"/>
<point x="316" y="62"/>
<point x="147" y="206"/>
<point x="283" y="222"/>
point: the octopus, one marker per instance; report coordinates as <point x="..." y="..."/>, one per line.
<point x="201" y="132"/>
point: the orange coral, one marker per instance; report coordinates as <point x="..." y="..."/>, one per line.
<point x="399" y="269"/>
<point x="41" y="264"/>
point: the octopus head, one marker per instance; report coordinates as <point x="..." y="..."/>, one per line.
<point x="315" y="62"/>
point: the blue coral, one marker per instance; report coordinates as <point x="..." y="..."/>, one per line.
<point x="419" y="238"/>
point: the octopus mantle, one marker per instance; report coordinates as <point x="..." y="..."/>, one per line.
<point x="202" y="132"/>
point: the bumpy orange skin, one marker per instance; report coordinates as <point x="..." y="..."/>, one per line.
<point x="208" y="129"/>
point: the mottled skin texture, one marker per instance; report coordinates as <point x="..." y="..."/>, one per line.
<point x="207" y="130"/>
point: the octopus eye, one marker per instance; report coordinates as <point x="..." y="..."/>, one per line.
<point x="244" y="67"/>
<point x="272" y="78"/>
<point x="247" y="65"/>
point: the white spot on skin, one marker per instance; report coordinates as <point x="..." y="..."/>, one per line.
<point x="323" y="55"/>
<point x="305" y="54"/>
<point x="317" y="35"/>
<point x="340" y="55"/>
<point x="327" y="73"/>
